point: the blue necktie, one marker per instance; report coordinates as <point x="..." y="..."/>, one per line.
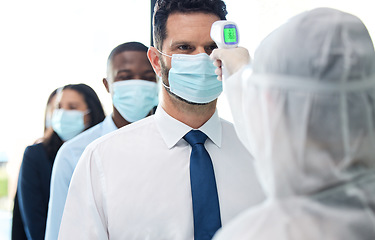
<point x="206" y="210"/>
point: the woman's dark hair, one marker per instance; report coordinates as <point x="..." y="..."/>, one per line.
<point x="53" y="142"/>
<point x="92" y="100"/>
<point x="163" y="8"/>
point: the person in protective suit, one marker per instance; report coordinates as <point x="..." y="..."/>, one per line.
<point x="305" y="108"/>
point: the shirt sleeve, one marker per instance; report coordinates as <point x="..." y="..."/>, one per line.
<point x="84" y="215"/>
<point x="62" y="172"/>
<point x="30" y="195"/>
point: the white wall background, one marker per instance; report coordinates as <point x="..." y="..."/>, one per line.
<point x="48" y="44"/>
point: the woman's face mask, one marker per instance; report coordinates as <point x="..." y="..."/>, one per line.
<point x="193" y="78"/>
<point x="68" y="123"/>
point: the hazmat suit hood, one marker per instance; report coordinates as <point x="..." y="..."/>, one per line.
<point x="305" y="109"/>
<point x="311" y="91"/>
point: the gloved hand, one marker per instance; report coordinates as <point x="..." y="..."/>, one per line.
<point x="233" y="60"/>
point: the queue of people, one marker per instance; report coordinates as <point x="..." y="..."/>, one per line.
<point x="132" y="84"/>
<point x="298" y="162"/>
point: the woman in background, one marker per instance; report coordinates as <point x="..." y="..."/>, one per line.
<point x="18" y="232"/>
<point x="78" y="108"/>
<point x="51" y="105"/>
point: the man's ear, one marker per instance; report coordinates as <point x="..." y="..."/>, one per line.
<point x="106" y="84"/>
<point x="153" y="57"/>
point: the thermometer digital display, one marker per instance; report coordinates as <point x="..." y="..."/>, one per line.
<point x="230" y="34"/>
<point x="225" y="34"/>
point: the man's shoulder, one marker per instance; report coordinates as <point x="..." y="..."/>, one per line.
<point x="78" y="144"/>
<point x="226" y="123"/>
<point x="127" y="134"/>
<point x="230" y="137"/>
<point x="228" y="129"/>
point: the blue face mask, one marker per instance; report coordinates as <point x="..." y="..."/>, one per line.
<point x="134" y="99"/>
<point x="67" y="123"/>
<point x="193" y="78"/>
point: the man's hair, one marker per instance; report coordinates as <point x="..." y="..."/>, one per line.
<point x="163" y="8"/>
<point x="128" y="46"/>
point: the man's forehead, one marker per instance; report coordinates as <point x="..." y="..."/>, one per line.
<point x="129" y="57"/>
<point x="190" y="19"/>
<point x="180" y="26"/>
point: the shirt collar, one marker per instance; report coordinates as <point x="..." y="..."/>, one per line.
<point x="173" y="130"/>
<point x="108" y="125"/>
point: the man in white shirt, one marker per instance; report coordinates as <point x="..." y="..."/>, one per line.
<point x="128" y="70"/>
<point x="135" y="183"/>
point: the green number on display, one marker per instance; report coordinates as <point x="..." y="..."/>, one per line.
<point x="230" y="35"/>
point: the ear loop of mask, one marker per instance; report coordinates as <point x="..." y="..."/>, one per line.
<point x="162" y="82"/>
<point x="164" y="53"/>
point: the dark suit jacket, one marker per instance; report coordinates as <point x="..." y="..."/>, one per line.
<point x="18" y="231"/>
<point x="33" y="190"/>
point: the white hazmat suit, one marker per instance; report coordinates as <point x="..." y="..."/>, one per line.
<point x="305" y="109"/>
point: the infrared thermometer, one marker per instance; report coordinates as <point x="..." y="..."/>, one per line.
<point x="225" y="34"/>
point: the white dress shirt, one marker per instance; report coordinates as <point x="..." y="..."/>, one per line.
<point x="65" y="162"/>
<point x="134" y="183"/>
